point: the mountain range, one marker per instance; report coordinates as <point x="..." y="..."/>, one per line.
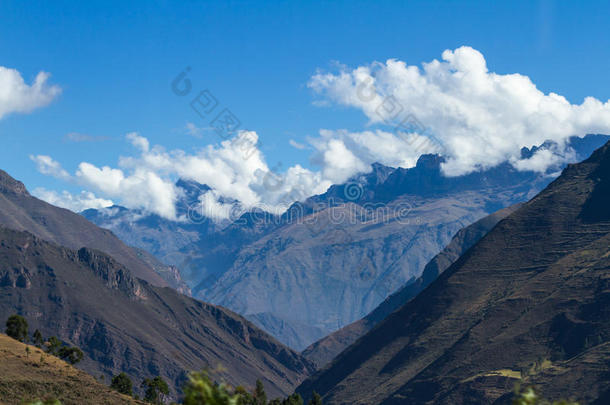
<point x="528" y="303"/>
<point x="123" y="320"/>
<point x="333" y="258"/>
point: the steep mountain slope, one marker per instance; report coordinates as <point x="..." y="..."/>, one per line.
<point x="125" y="324"/>
<point x="39" y="376"/>
<point x="336" y="265"/>
<point x="327" y="348"/>
<point x="528" y="302"/>
<point x="335" y="257"/>
<point x="20" y="211"/>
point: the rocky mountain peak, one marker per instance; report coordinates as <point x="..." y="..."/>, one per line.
<point x="10" y="185"/>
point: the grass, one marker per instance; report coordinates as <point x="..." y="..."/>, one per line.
<point x="26" y="377"/>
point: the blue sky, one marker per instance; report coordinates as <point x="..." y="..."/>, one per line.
<point x="114" y="62"/>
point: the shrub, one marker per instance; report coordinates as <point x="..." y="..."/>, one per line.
<point x="201" y="390"/>
<point x="37" y="338"/>
<point x="155" y="389"/>
<point x="17" y="328"/>
<point x="53" y="346"/>
<point x="122" y="383"/>
<point x="72" y="354"/>
<point x="530" y="396"/>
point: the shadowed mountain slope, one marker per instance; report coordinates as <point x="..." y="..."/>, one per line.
<point x="125" y="324"/>
<point x="529" y="302"/>
<point x="327" y="348"/>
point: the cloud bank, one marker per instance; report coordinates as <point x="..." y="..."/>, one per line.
<point x="76" y="203"/>
<point x="235" y="170"/>
<point x="477" y="119"/>
<point x="481" y="118"/>
<point x="16" y="96"/>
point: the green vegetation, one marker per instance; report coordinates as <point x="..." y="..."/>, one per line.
<point x="71" y="354"/>
<point x="53" y="345"/>
<point x="294" y="399"/>
<point x="201" y="390"/>
<point x="316" y="399"/>
<point x="156" y="388"/>
<point x="17" y="328"/>
<point x="260" y="398"/>
<point x="529" y="396"/>
<point x="37" y="338"/>
<point x="122" y="384"/>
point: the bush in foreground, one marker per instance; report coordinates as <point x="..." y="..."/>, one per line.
<point x="530" y="396"/>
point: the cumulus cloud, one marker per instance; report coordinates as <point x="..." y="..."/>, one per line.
<point x="543" y="159"/>
<point x="138" y="141"/>
<point x="46" y="165"/>
<point x="76" y="203"/>
<point x="341" y="154"/>
<point x="16" y="96"/>
<point x="237" y="172"/>
<point x="481" y="118"/>
<point x="142" y="188"/>
<point x="235" y="169"/>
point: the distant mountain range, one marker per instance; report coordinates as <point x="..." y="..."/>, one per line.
<point x="124" y="321"/>
<point x="332" y="259"/>
<point x="528" y="303"/>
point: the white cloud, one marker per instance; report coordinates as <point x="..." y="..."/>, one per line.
<point x="142" y="188"/>
<point x="481" y="118"/>
<point x="76" y="203"/>
<point x="46" y="165"/>
<point x="297" y="145"/>
<point x="195" y="131"/>
<point x="545" y="158"/>
<point x="235" y="170"/>
<point x="138" y="141"/>
<point x="16" y="96"/>
<point x="341" y="154"/>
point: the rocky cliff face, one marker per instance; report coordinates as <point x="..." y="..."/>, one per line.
<point x="526" y="304"/>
